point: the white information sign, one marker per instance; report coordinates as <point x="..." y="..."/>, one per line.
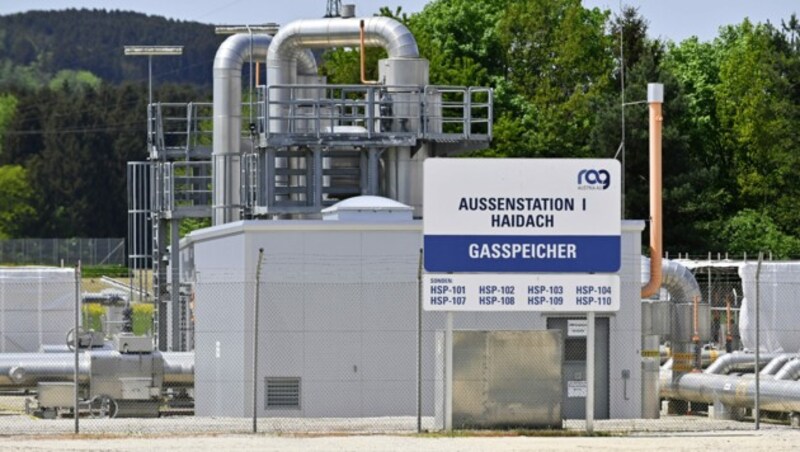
<point x="522" y="215"/>
<point x="521" y="292"/>
<point x="577" y="328"/>
<point x="577" y="388"/>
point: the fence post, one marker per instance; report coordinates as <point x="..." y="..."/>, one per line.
<point x="757" y="413"/>
<point x="419" y="343"/>
<point x="255" y="341"/>
<point x="76" y="350"/>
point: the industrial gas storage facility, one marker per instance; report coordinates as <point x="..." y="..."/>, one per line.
<point x="314" y="284"/>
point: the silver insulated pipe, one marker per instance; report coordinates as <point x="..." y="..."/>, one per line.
<point x="226" y="152"/>
<point x="26" y="370"/>
<point x="682" y="287"/>
<point x="232" y="54"/>
<point x="289" y="44"/>
<point x="733" y="391"/>
<point x="739" y="361"/>
<point x="678" y="280"/>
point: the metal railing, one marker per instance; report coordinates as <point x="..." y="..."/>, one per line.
<point x="186" y="185"/>
<point x="180" y="128"/>
<point x="370" y="112"/>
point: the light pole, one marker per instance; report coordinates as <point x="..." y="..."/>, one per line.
<point x="149" y="52"/>
<point x="158" y="222"/>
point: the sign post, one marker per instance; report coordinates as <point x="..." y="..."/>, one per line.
<point x="522" y="235"/>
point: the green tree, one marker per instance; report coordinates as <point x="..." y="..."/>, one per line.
<point x="81" y="80"/>
<point x="751" y="231"/>
<point x="8" y="107"/>
<point x="758" y="120"/>
<point x="16" y="196"/>
<point x="461" y="39"/>
<point x="559" y="64"/>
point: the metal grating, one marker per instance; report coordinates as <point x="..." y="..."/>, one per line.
<point x="282" y="393"/>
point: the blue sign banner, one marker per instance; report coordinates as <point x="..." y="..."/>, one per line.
<point x="520" y="253"/>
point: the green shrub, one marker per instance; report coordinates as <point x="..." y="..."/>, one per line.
<point x="142" y="318"/>
<point x="93" y="314"/>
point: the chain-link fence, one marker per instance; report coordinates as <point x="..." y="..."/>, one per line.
<point x="103" y="251"/>
<point x="359" y="354"/>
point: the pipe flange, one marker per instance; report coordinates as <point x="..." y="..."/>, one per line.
<point x="17" y="374"/>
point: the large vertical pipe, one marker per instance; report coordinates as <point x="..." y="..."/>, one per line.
<point x="655" y="99"/>
<point x="228" y="63"/>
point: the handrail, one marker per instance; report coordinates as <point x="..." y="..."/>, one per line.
<point x="382" y="110"/>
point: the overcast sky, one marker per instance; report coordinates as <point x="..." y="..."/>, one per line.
<point x="669" y="19"/>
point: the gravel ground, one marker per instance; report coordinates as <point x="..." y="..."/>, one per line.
<point x="769" y="440"/>
<point x="670" y="433"/>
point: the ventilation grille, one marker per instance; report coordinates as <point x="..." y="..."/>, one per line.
<point x="282" y="392"/>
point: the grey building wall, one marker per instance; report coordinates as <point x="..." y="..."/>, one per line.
<point x="339" y="310"/>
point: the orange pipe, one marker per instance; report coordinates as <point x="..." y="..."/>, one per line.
<point x="729" y="336"/>
<point x="695" y="320"/>
<point x="258" y="74"/>
<point x="656" y="237"/>
<point x="364" y="58"/>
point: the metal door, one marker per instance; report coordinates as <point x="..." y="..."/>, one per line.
<point x="573" y="331"/>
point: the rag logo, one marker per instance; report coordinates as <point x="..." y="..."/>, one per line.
<point x="590" y="179"/>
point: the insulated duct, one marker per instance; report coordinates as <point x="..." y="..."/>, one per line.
<point x="678" y="280"/>
<point x="290" y="43"/>
<point x="232" y="54"/>
<point x="682" y="287"/>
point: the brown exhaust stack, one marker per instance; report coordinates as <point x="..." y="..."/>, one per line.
<point x="655" y="98"/>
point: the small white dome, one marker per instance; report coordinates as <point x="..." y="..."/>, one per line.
<point x="368" y="209"/>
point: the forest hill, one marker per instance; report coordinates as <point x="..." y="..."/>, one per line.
<point x="540" y="206"/>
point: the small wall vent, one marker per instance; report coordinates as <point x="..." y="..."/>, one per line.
<point x="282" y="393"/>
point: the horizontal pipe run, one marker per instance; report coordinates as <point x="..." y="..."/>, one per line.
<point x="790" y="371"/>
<point x="738" y="361"/>
<point x="777" y="364"/>
<point x="733" y="391"/>
<point x="26" y="370"/>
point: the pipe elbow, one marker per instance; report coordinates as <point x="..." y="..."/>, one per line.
<point x="395" y="37"/>
<point x="234" y="51"/>
<point x="654" y="284"/>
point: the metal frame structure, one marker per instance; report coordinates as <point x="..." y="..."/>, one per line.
<point x="328" y="148"/>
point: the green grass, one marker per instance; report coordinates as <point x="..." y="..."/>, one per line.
<point x="96" y="271"/>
